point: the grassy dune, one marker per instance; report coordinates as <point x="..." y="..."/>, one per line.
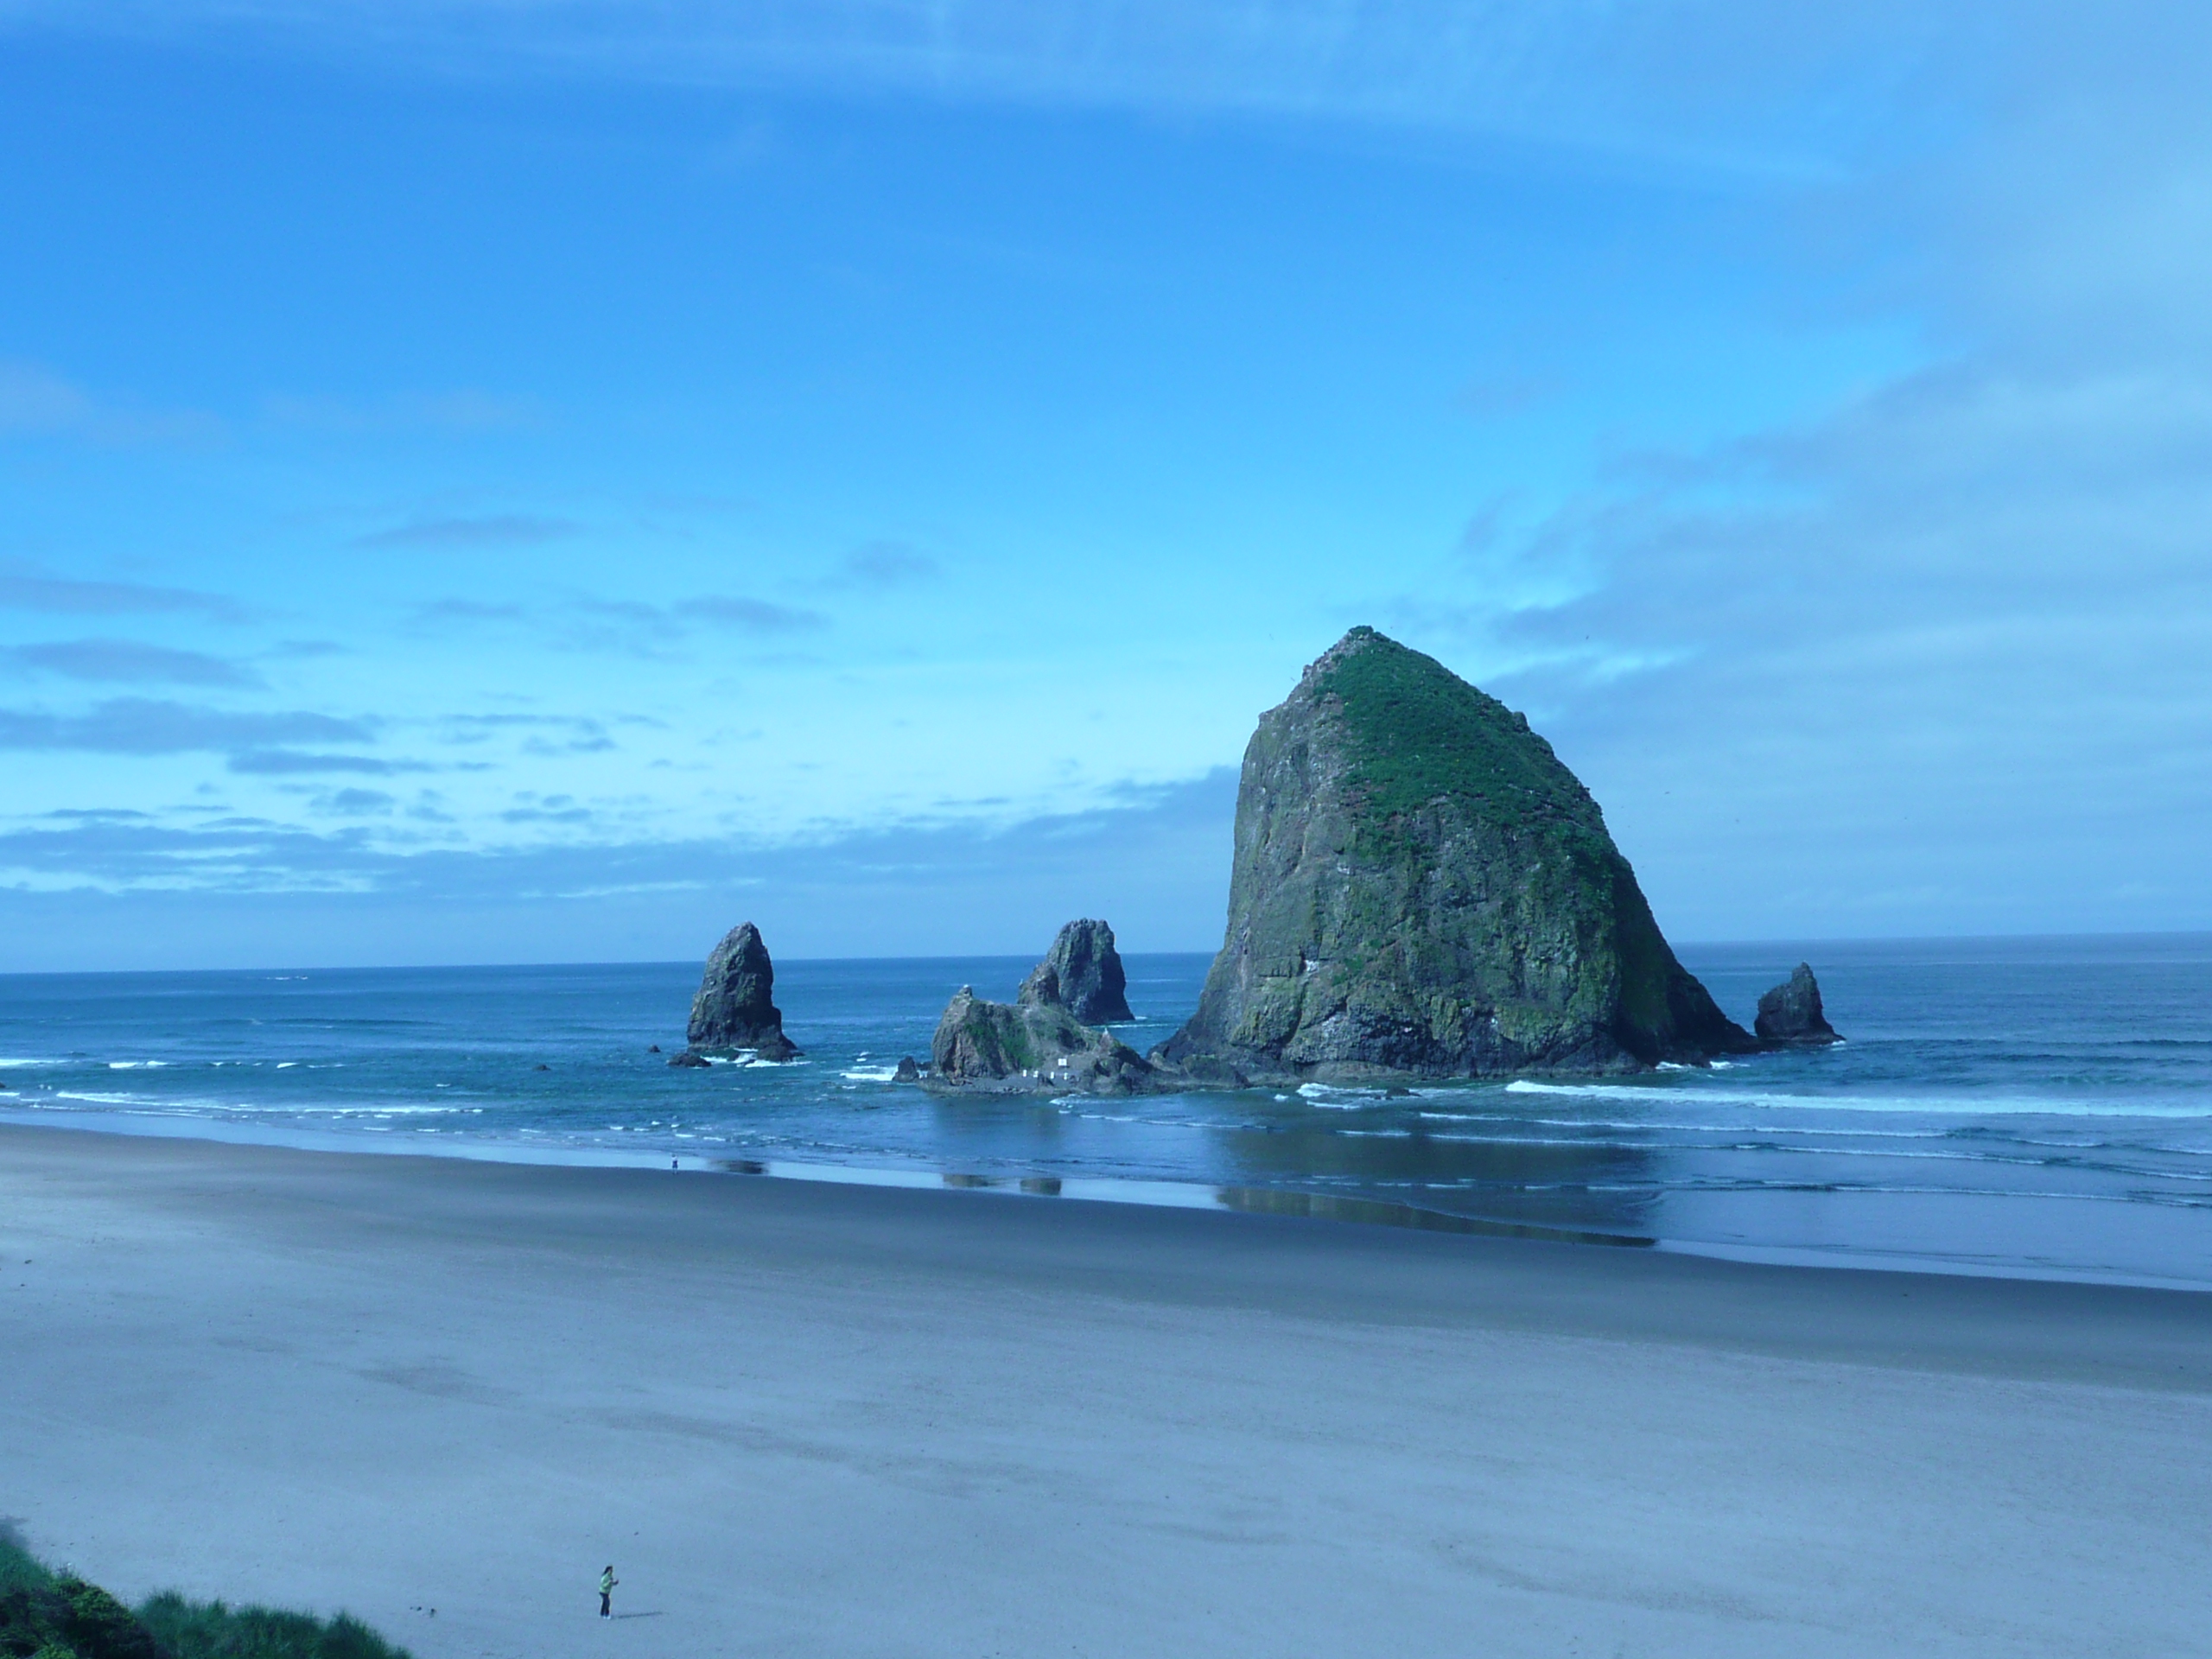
<point x="49" y="1615"/>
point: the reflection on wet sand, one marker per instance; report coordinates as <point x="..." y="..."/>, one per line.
<point x="1323" y="1206"/>
<point x="1588" y="1189"/>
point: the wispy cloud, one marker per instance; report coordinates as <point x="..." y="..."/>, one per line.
<point x="439" y="611"/>
<point x="37" y="402"/>
<point x="28" y="588"/>
<point x="629" y="626"/>
<point x="462" y="411"/>
<point x="753" y="616"/>
<point x="1156" y="864"/>
<point x="886" y="564"/>
<point x="547" y="809"/>
<point x="354" y="803"/>
<point x="1733" y="89"/>
<point x="547" y="735"/>
<point x="144" y="726"/>
<point x="494" y="529"/>
<point x="130" y="661"/>
<point x="293" y="763"/>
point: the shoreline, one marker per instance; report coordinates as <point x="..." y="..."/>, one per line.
<point x="1296" y="1203"/>
<point x="809" y="1418"/>
<point x="1838" y="1312"/>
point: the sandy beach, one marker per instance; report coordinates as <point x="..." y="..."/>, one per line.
<point x="807" y="1419"/>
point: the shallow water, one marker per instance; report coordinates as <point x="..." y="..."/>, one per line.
<point x="2014" y="1106"/>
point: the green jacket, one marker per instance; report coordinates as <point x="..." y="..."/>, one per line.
<point x="608" y="1581"/>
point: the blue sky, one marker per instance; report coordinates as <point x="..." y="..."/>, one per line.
<point x="513" y="479"/>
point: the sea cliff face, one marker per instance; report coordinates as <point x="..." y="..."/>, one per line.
<point x="1420" y="887"/>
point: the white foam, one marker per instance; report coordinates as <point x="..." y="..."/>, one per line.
<point x="136" y="1065"/>
<point x="199" y="1107"/>
<point x="871" y="1074"/>
<point x="1338" y="1100"/>
<point x="1934" y="1105"/>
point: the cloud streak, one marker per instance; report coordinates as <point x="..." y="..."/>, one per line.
<point x="28" y="588"/>
<point x="1157" y="864"/>
<point x="886" y="564"/>
<point x="37" y="402"/>
<point x="293" y="763"/>
<point x="145" y="726"/>
<point x="1730" y="89"/>
<point x="753" y="615"/>
<point x="490" y="530"/>
<point x="130" y="661"/>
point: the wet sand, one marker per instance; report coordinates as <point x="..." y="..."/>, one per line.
<point x="805" y="1419"/>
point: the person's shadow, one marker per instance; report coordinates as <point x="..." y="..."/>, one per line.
<point x="656" y="1613"/>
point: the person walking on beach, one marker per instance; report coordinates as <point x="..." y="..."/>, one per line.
<point x="606" y="1583"/>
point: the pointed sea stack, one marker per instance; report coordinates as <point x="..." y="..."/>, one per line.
<point x="734" y="1008"/>
<point x="1081" y="973"/>
<point x="1790" y="1014"/>
<point x="1421" y="888"/>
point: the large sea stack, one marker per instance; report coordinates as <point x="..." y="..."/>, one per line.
<point x="1082" y="974"/>
<point x="735" y="1008"/>
<point x="1421" y="888"/>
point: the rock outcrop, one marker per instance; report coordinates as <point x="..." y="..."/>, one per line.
<point x="1029" y="1048"/>
<point x="1790" y="1014"/>
<point x="1421" y="888"/>
<point x="1081" y="973"/>
<point x="735" y="1009"/>
<point x="908" y="1071"/>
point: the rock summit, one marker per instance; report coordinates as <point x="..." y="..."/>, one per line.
<point x="1419" y="887"/>
<point x="1081" y="973"/>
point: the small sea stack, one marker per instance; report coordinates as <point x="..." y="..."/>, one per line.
<point x="735" y="1009"/>
<point x="1081" y="973"/>
<point x="987" y="1047"/>
<point x="1790" y="1015"/>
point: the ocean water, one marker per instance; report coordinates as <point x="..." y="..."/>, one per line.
<point x="2037" y="1107"/>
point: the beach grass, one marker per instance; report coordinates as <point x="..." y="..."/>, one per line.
<point x="45" y="1614"/>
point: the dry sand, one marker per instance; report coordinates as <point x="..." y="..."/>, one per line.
<point x="814" y="1420"/>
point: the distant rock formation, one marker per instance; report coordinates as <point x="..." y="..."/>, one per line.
<point x="734" y="1008"/>
<point x="685" y="1057"/>
<point x="1421" y="888"/>
<point x="908" y="1071"/>
<point x="1081" y="973"/>
<point x="1790" y="1014"/>
<point x="1029" y="1048"/>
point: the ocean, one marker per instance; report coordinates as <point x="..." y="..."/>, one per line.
<point x="2024" y="1107"/>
